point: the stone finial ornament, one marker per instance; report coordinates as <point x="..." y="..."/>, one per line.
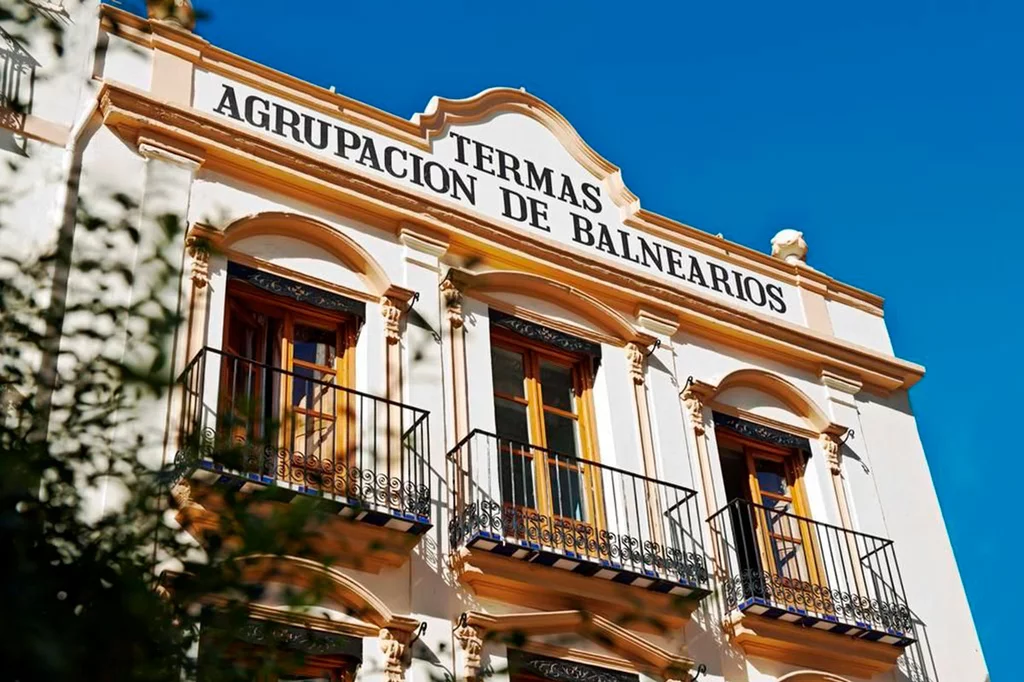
<point x="635" y="356"/>
<point x="789" y="245"/>
<point x="178" y="12"/>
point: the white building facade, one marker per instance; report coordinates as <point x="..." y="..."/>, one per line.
<point x="648" y="451"/>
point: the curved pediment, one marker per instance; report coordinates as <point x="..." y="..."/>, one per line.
<point x="443" y="113"/>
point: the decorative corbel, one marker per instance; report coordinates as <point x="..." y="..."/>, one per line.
<point x="181" y="493"/>
<point x="635" y="355"/>
<point x="452" y="297"/>
<point x="695" y="408"/>
<point x="832" y="446"/>
<point x="392" y="315"/>
<point x="394" y="654"/>
<point x="199" y="251"/>
<point x="472" y="646"/>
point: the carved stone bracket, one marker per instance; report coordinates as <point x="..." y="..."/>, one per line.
<point x="199" y="251"/>
<point x="392" y="315"/>
<point x="394" y="656"/>
<point x="695" y="408"/>
<point x="452" y="298"/>
<point x="472" y="645"/>
<point x="635" y="355"/>
<point x="832" y="446"/>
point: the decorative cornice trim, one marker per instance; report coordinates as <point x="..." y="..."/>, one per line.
<point x="128" y="111"/>
<point x="759" y="432"/>
<point x="546" y="335"/>
<point x="441" y="112"/>
<point x="297" y="291"/>
<point x="594" y="627"/>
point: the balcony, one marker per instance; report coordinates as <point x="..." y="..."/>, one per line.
<point x="810" y="593"/>
<point x="250" y="427"/>
<point x="545" y="530"/>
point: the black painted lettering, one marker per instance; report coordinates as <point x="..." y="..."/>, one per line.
<point x="626" y="251"/>
<point x="568" y="192"/>
<point x="738" y="277"/>
<point x="582" y="230"/>
<point x="592" y="194"/>
<point x="368" y="157"/>
<point x="696" y="276"/>
<point x="309" y="122"/>
<point x="286" y="118"/>
<point x="539" y="214"/>
<point x="484" y="159"/>
<point x="776" y="303"/>
<point x="675" y="262"/>
<point x="263" y="121"/>
<point x="513" y="201"/>
<point x="417" y="169"/>
<point x="539" y="181"/>
<point x="719" y="275"/>
<point x="756" y="295"/>
<point x="467" y="190"/>
<point x="460" y="148"/>
<point x="228" y="104"/>
<point x="650" y="255"/>
<point x="347" y="140"/>
<point x="436" y="176"/>
<point x="508" y="165"/>
<point x="604" y="240"/>
<point x="389" y="161"/>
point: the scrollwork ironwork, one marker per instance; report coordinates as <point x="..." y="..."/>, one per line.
<point x="759" y="432"/>
<point x="558" y="670"/>
<point x="546" y="335"/>
<point x="579" y="538"/>
<point x="265" y="633"/>
<point x="783" y="592"/>
<point x="296" y="291"/>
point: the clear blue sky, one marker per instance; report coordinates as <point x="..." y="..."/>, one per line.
<point x="891" y="133"/>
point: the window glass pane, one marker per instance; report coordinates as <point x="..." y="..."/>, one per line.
<point x="771" y="477"/>
<point x="561" y="434"/>
<point x="310" y="392"/>
<point x="566" y="490"/>
<point x="556" y="385"/>
<point x="507" y="367"/>
<point x="510" y="420"/>
<point x="315" y="345"/>
<point x="516" y="481"/>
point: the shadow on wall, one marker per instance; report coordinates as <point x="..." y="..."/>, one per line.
<point x="17" y="88"/>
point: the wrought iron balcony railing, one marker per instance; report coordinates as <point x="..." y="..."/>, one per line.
<point x="542" y="506"/>
<point x="246" y="423"/>
<point x="788" y="567"/>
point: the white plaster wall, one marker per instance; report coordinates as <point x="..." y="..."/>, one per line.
<point x="121" y="61"/>
<point x="949" y="649"/>
<point x="760" y="404"/>
<point x="859" y="327"/>
<point x="301" y="257"/>
<point x="218" y="200"/>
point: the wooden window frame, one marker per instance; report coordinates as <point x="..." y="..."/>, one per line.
<point x="581" y="368"/>
<point x="793" y="462"/>
<point x="342" y="370"/>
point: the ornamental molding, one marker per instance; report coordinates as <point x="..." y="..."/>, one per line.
<point x="392" y="315"/>
<point x="199" y="249"/>
<point x="296" y="291"/>
<point x="394" y="655"/>
<point x="472" y="646"/>
<point x="451" y="297"/>
<point x="832" y="446"/>
<point x="695" y="409"/>
<point x="560" y="670"/>
<point x="755" y="431"/>
<point x="305" y="640"/>
<point x="546" y="335"/>
<point x="128" y="113"/>
<point x="635" y="356"/>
